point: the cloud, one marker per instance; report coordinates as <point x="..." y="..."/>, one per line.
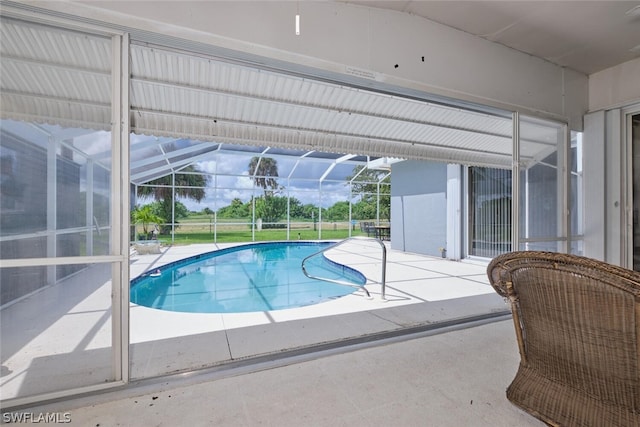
<point x="234" y="182"/>
<point x="208" y="166"/>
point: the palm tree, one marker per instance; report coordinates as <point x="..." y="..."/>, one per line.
<point x="144" y="215"/>
<point x="189" y="183"/>
<point x="263" y="172"/>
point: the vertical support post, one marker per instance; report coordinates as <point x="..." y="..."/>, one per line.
<point x="515" y="183"/>
<point x="564" y="178"/>
<point x="135" y="200"/>
<point x="350" y="209"/>
<point x="466" y="207"/>
<point x="378" y="203"/>
<point x="173" y="207"/>
<point x="120" y="205"/>
<point x="89" y="210"/>
<point x="288" y="209"/>
<point x="579" y="192"/>
<point x="628" y="204"/>
<point x="52" y="207"/>
<point x="215" y="203"/>
<point x="454" y="211"/>
<point x="613" y="192"/>
<point x="320" y="210"/>
<point x="383" y="294"/>
<point x="253" y="211"/>
<point x="527" y="209"/>
<point x="596" y="152"/>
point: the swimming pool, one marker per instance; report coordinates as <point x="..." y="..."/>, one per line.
<point x="255" y="277"/>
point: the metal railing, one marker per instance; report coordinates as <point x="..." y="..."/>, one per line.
<point x="340" y="282"/>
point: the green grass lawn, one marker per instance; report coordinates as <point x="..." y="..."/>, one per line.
<point x="200" y="228"/>
<point x="260" y="236"/>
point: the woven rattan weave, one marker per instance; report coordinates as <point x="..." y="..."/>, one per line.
<point x="577" y="323"/>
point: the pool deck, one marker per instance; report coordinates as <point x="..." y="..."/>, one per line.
<point x="420" y="291"/>
<point x="349" y="361"/>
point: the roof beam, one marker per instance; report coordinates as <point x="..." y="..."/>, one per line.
<point x="168" y="156"/>
<point x="146" y="176"/>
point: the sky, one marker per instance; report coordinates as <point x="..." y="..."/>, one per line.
<point x="232" y="174"/>
<point x="303" y="184"/>
<point x="229" y="172"/>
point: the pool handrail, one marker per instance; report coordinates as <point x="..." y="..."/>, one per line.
<point x="340" y="282"/>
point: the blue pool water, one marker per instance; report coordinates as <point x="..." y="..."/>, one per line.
<point x="256" y="277"/>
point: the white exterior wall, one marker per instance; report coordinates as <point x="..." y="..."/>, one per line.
<point x="419" y="217"/>
<point x="354" y="40"/>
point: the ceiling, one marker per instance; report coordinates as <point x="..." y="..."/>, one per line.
<point x="586" y="36"/>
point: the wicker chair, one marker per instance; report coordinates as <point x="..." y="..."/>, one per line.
<point x="577" y="323"/>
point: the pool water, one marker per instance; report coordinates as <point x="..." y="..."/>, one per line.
<point x="256" y="277"/>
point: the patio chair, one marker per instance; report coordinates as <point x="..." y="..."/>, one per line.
<point x="577" y="324"/>
<point x="367" y="227"/>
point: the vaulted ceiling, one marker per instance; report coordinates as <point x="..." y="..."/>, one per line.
<point x="586" y="36"/>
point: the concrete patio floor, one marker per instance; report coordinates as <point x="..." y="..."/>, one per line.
<point x="456" y="378"/>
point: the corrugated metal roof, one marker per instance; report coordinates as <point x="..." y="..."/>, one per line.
<point x="64" y="78"/>
<point x="48" y="75"/>
<point x="180" y="95"/>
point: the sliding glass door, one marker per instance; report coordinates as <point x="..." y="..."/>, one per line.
<point x="489" y="211"/>
<point x="633" y="138"/>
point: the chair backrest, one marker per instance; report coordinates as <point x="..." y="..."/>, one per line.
<point x="366" y="226"/>
<point x="577" y="321"/>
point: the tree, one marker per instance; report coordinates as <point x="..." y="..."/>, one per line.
<point x="364" y="210"/>
<point x="263" y="172"/>
<point x="189" y="183"/>
<point x="338" y="212"/>
<point x="236" y="209"/>
<point x="310" y="211"/>
<point x="271" y="209"/>
<point x="164" y="210"/>
<point x="144" y="215"/>
<point x="365" y="182"/>
<point x="295" y="208"/>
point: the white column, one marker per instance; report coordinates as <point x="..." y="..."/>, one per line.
<point x="120" y="206"/>
<point x="454" y="211"/>
<point x="594" y="168"/>
<point x="89" y="209"/>
<point x="52" y="194"/>
<point x="515" y="184"/>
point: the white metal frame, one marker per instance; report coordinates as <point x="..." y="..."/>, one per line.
<point x="563" y="173"/>
<point x="119" y="252"/>
<point x="120" y="207"/>
<point x="627" y="178"/>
